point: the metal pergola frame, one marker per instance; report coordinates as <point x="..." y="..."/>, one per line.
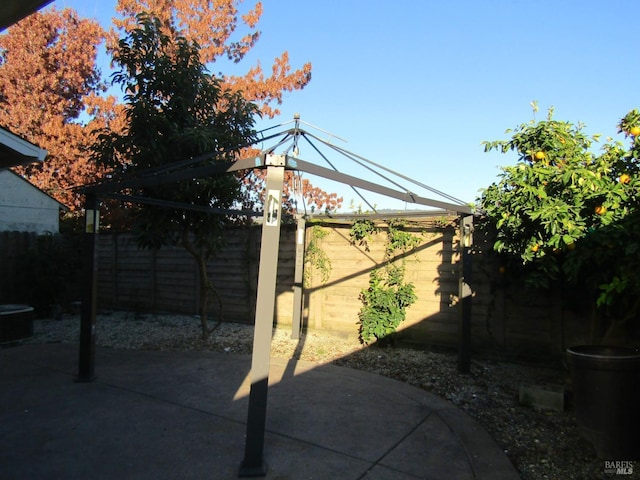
<point x="275" y="166"/>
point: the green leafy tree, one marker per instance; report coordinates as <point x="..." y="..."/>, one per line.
<point x="175" y="111"/>
<point x="569" y="214"/>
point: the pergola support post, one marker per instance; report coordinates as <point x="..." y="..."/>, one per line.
<point x="87" y="350"/>
<point x="465" y="294"/>
<point x="298" y="278"/>
<point x="253" y="464"/>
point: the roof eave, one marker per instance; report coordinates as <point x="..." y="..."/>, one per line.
<point x="20" y="151"/>
<point x="12" y="11"/>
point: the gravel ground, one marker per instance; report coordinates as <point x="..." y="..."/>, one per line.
<point x="542" y="444"/>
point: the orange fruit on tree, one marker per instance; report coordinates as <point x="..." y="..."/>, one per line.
<point x="600" y="209"/>
<point x="534" y="248"/>
<point x="635" y="131"/>
<point x="540" y="155"/>
<point x="624" y="178"/>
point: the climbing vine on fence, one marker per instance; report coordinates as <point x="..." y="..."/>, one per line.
<point x="385" y="301"/>
<point x="384" y="304"/>
<point x="315" y="257"/>
<point x="361" y="232"/>
<point x="399" y="239"/>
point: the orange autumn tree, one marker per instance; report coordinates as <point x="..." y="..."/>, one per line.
<point x="213" y="26"/>
<point x="48" y="80"/>
<point x="221" y="32"/>
<point x="62" y="105"/>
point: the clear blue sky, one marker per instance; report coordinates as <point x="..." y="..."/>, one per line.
<point x="417" y="85"/>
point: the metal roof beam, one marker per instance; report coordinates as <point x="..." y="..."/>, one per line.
<point x="308" y="167"/>
<point x="384" y="215"/>
<point x="158" y="202"/>
<point x="261" y="161"/>
<point x="142" y="180"/>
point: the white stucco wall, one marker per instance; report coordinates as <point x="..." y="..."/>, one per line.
<point x="24" y="208"/>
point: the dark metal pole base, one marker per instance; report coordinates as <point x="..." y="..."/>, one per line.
<point x="253" y="471"/>
<point x="84" y="379"/>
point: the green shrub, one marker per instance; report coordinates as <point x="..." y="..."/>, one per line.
<point x="384" y="304"/>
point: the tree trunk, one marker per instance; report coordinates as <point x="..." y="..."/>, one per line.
<point x="611" y="329"/>
<point x="204" y="295"/>
<point x="596" y="326"/>
<point x="203" y="279"/>
<point x="618" y="331"/>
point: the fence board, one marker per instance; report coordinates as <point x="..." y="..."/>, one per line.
<point x="504" y="316"/>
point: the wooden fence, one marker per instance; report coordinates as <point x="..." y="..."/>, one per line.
<point x="505" y="317"/>
<point x="166" y="280"/>
<point x="14" y="247"/>
<point x="40" y="271"/>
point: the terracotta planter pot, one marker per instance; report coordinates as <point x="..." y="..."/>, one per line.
<point x="606" y="389"/>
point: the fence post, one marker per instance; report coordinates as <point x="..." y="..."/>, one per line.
<point x="86" y="364"/>
<point x="298" y="277"/>
<point x="465" y="294"/>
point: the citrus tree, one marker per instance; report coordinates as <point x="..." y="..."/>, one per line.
<point x="569" y="213"/>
